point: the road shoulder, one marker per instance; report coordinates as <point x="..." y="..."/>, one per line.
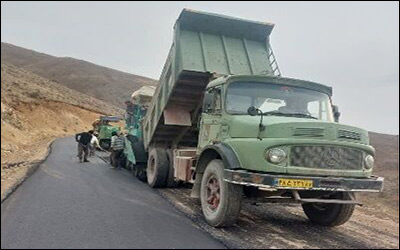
<point x="17" y="173"/>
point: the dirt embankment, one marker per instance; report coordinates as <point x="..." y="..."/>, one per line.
<point x="34" y="111"/>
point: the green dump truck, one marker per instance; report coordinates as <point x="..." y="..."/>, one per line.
<point x="105" y="126"/>
<point x="224" y="119"/>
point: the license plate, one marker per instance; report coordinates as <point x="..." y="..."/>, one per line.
<point x="296" y="183"/>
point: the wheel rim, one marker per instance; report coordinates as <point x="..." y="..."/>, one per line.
<point x="213" y="193"/>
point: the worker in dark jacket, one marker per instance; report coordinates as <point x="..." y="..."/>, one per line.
<point x="84" y="140"/>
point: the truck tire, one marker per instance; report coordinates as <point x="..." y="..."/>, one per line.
<point x="171" y="183"/>
<point x="330" y="215"/>
<point x="157" y="168"/>
<point x="220" y="201"/>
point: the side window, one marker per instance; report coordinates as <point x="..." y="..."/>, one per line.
<point x="313" y="108"/>
<point x="324" y="112"/>
<point x="212" y="101"/>
<point x="318" y="109"/>
<point x="217" y="101"/>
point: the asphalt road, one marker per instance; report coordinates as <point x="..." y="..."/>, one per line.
<point x="66" y="204"/>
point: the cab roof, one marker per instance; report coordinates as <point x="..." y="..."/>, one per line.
<point x="272" y="79"/>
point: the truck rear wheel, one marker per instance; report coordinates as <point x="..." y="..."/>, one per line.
<point x="157" y="168"/>
<point x="171" y="183"/>
<point x="328" y="214"/>
<point x="221" y="201"/>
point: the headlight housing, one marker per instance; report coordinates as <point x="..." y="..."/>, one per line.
<point x="276" y="155"/>
<point x="369" y="162"/>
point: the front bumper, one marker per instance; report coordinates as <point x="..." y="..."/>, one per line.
<point x="270" y="181"/>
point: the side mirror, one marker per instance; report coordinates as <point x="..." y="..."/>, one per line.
<point x="336" y="113"/>
<point x="253" y="111"/>
<point x="198" y="124"/>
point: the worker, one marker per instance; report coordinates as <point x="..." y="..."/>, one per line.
<point x="96" y="124"/>
<point x="94" y="143"/>
<point x="84" y="140"/>
<point x="117" y="149"/>
<point x="295" y="105"/>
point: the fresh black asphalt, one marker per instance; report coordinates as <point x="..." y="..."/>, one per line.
<point x="66" y="204"/>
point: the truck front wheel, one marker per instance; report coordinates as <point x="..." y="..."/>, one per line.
<point x="328" y="214"/>
<point x="157" y="168"/>
<point x="221" y="201"/>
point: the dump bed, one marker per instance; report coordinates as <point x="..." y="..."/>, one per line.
<point x="204" y="46"/>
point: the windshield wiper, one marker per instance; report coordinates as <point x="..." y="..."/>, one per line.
<point x="253" y="111"/>
<point x="277" y="113"/>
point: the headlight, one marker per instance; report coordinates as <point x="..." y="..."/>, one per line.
<point x="275" y="155"/>
<point x="369" y="161"/>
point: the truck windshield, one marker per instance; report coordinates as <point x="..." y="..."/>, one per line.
<point x="274" y="99"/>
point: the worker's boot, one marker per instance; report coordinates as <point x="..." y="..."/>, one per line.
<point x="86" y="160"/>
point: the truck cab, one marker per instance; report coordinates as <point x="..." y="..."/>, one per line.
<point x="291" y="127"/>
<point x="105" y="127"/>
<point x="280" y="137"/>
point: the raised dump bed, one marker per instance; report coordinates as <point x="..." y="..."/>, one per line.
<point x="204" y="46"/>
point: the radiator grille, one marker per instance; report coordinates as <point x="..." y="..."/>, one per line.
<point x="326" y="157"/>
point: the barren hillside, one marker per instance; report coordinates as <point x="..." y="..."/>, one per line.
<point x="34" y="111"/>
<point x="100" y="82"/>
<point x="387" y="166"/>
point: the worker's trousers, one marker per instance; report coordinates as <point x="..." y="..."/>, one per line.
<point x="117" y="158"/>
<point x="83" y="152"/>
<point x="92" y="150"/>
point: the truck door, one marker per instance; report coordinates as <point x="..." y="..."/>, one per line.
<point x="210" y="122"/>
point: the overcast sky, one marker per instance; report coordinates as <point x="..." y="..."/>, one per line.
<point x="351" y="46"/>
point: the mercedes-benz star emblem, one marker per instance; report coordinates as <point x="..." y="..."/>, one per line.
<point x="332" y="157"/>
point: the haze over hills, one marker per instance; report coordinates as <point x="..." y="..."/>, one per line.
<point x="103" y="83"/>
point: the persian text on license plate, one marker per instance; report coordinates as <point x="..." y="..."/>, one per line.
<point x="296" y="183"/>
